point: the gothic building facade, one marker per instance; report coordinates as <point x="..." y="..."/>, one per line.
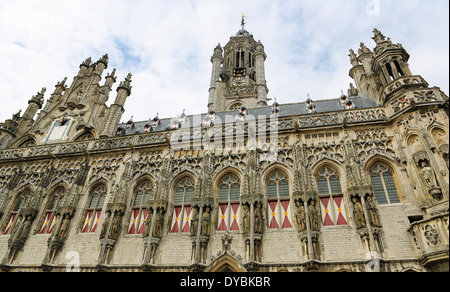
<point x="354" y="183"/>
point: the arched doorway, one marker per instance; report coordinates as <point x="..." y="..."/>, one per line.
<point x="225" y="264"/>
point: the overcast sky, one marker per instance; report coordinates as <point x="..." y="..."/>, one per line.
<point x="167" y="46"/>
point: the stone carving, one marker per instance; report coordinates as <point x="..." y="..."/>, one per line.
<point x="159" y="223"/>
<point x="358" y="212"/>
<point x="300" y="215"/>
<point x="246" y="219"/>
<point x="373" y="211"/>
<point x="314" y="217"/>
<point x="259" y="220"/>
<point x="194" y="222"/>
<point x="206" y="222"/>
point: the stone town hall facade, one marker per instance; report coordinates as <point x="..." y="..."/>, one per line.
<point x="355" y="183"/>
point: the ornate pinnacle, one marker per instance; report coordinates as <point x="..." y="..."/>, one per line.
<point x="126" y="84"/>
<point x="39" y="97"/>
<point x="378" y="37"/>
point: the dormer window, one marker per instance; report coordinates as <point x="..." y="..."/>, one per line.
<point x="156" y="121"/>
<point x="148" y="128"/>
<point x="130" y="124"/>
<point x="349" y="105"/>
<point x="343" y="100"/>
<point x="120" y="131"/>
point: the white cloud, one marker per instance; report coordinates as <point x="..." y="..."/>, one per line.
<point x="167" y="45"/>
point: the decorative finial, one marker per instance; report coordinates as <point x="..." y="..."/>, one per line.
<point x="243" y="21"/>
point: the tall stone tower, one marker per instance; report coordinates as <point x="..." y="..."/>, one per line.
<point x="383" y="73"/>
<point x="238" y="74"/>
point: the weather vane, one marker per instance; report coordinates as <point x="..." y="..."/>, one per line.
<point x="243" y="20"/>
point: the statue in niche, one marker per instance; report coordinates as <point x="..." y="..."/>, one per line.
<point x="373" y="211"/>
<point x="116" y="225"/>
<point x="194" y="222"/>
<point x="62" y="234"/>
<point x="300" y="216"/>
<point x="314" y="218"/>
<point x="428" y="176"/>
<point x="159" y="223"/>
<point x="246" y="219"/>
<point x="105" y="225"/>
<point x="358" y="213"/>
<point x="206" y="222"/>
<point x="23" y="232"/>
<point x="148" y="223"/>
<point x="259" y="218"/>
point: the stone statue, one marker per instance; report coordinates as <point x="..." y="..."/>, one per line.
<point x="373" y="211"/>
<point x="206" y="222"/>
<point x="427" y="175"/>
<point x="105" y="225"/>
<point x="194" y="222"/>
<point x="358" y="213"/>
<point x="64" y="227"/>
<point x="259" y="218"/>
<point x="300" y="216"/>
<point x="116" y="225"/>
<point x="23" y="232"/>
<point x="314" y="218"/>
<point x="148" y="223"/>
<point x="246" y="219"/>
<point x="159" y="223"/>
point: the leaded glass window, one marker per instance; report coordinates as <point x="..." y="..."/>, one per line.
<point x="229" y="206"/>
<point x="331" y="197"/>
<point x="384" y="184"/>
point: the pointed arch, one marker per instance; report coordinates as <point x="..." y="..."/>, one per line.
<point x="228" y="169"/>
<point x="95" y="202"/>
<point x="383" y="175"/>
<point x="227" y="190"/>
<point x="277" y="183"/>
<point x="50" y="215"/>
<point x="19" y="199"/>
<point x="85" y="135"/>
<point x="225" y="263"/>
<point x="326" y="161"/>
<point x="182" y="191"/>
<point x="142" y="193"/>
<point x="277" y="165"/>
<point x="25" y="141"/>
<point x="328" y="176"/>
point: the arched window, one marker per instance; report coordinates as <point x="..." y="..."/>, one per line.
<point x="240" y="58"/>
<point x="229" y="203"/>
<point x="30" y="142"/>
<point x="142" y="195"/>
<point x="85" y="137"/>
<point x="94" y="209"/>
<point x="184" y="192"/>
<point x="277" y="187"/>
<point x="384" y="184"/>
<point x="13" y="213"/>
<point x="50" y="219"/>
<point x="331" y="197"/>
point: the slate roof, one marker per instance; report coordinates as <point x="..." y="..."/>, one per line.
<point x="286" y="110"/>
